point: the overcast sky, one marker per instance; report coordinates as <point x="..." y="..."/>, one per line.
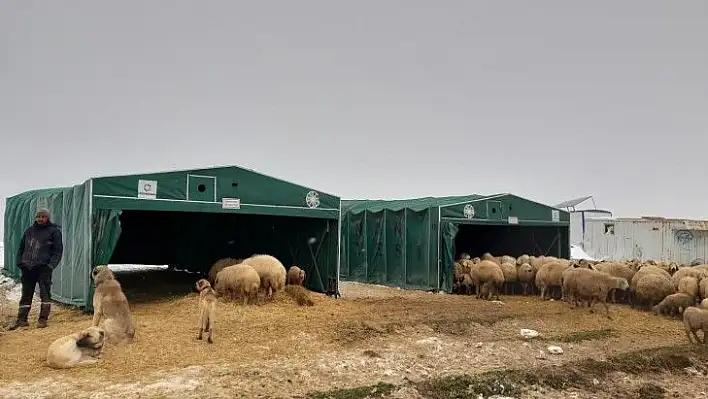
<point x="546" y="99"/>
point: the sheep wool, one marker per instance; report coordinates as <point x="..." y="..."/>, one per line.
<point x="688" y="271"/>
<point x="648" y="270"/>
<point x="695" y="319"/>
<point x="526" y="277"/>
<point x="510" y="276"/>
<point x="238" y="282"/>
<point x="674" y="304"/>
<point x="653" y="288"/>
<point x="271" y="271"/>
<point x="550" y="275"/>
<point x="689" y="286"/>
<point x="597" y="285"/>
<point x="490" y="275"/>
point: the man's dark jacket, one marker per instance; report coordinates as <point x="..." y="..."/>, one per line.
<point x="41" y="245"/>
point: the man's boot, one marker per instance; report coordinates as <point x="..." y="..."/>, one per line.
<point x="22" y="314"/>
<point x="44" y="310"/>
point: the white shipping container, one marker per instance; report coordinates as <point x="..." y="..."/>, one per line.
<point x="678" y="240"/>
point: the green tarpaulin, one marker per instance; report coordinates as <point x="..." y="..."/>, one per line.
<point x="186" y="218"/>
<point x="413" y="243"/>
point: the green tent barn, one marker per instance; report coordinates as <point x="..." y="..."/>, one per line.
<point x="413" y="243"/>
<point x="187" y="219"/>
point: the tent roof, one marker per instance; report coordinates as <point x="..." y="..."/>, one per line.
<point x="215" y="168"/>
<point x="416" y="204"/>
<point x="177" y="191"/>
<point x="473" y="208"/>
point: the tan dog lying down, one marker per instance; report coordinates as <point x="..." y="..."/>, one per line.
<point x="77" y="349"/>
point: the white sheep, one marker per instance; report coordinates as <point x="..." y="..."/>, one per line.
<point x="271" y="272"/>
<point x="695" y="319"/>
<point x="596" y="286"/>
<point x="550" y="275"/>
<point x="238" y="281"/>
<point x="488" y="274"/>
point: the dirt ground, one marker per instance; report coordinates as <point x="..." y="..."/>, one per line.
<point x="370" y="335"/>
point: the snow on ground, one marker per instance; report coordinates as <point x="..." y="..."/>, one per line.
<point x="578" y="253"/>
<point x="12" y="290"/>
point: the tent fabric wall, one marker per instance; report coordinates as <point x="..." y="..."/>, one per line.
<point x="389" y="246"/>
<point x="69" y="207"/>
<point x="410" y="243"/>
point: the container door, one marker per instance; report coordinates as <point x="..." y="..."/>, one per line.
<point x="201" y="188"/>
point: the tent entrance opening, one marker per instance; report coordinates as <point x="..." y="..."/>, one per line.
<point x="192" y="242"/>
<point x="514" y="240"/>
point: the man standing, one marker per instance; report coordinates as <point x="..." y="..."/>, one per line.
<point x="41" y="249"/>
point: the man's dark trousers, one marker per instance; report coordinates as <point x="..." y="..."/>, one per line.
<point x="42" y="275"/>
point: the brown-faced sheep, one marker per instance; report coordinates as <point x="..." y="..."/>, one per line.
<point x="615" y="269"/>
<point x="596" y="286"/>
<point x="466" y="284"/>
<point x="489" y="274"/>
<point x="695" y="319"/>
<point x="271" y="272"/>
<point x="689" y="286"/>
<point x="511" y="276"/>
<point x="295" y="276"/>
<point x="219" y="265"/>
<point x="549" y="276"/>
<point x="653" y="288"/>
<point x="238" y="282"/>
<point x="674" y="304"/>
<point x="526" y="277"/>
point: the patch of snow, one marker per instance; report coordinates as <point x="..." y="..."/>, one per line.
<point x="127" y="268"/>
<point x="577" y="253"/>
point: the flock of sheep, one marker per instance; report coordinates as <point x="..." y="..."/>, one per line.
<point x="667" y="288"/>
<point x="250" y="279"/>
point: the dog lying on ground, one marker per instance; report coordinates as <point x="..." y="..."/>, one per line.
<point x="78" y="349"/>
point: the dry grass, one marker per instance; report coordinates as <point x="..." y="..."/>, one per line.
<point x="300" y="294"/>
<point x="280" y="329"/>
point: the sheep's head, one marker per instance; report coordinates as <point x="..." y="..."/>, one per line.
<point x="673" y="267"/>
